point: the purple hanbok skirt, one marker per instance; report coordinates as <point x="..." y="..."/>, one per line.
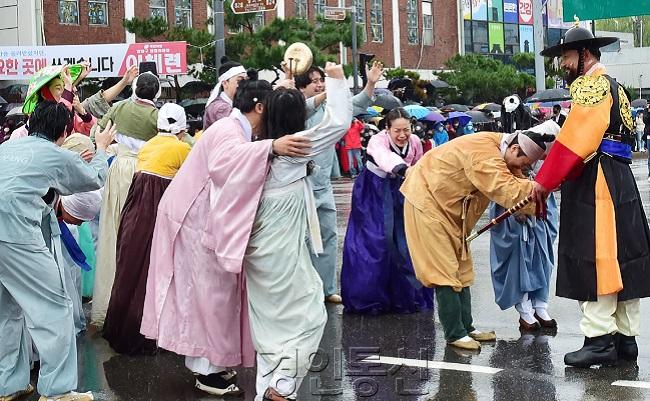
<point x="377" y="275"/>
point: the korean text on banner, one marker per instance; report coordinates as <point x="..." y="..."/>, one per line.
<point x="111" y="60"/>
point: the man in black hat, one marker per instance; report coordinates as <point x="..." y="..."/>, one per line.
<point x="604" y="248"/>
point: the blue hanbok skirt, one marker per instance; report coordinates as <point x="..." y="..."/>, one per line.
<point x="377" y="275"/>
<point x="522" y="257"/>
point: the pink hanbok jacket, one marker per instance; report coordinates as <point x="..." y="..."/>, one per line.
<point x="379" y="148"/>
<point x="196" y="303"/>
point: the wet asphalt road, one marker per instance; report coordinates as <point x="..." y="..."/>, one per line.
<point x="530" y="367"/>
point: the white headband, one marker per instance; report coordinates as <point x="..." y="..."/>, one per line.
<point x="232" y="72"/>
<point x="527" y="145"/>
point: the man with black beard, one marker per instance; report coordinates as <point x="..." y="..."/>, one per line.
<point x="604" y="247"/>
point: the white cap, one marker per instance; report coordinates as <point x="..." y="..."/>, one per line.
<point x="171" y="118"/>
<point x="84" y="205"/>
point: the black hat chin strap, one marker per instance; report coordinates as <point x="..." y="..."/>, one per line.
<point x="581" y="62"/>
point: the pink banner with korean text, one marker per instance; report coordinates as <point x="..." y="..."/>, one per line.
<point x="108" y="60"/>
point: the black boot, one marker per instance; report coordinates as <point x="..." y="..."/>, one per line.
<point x="599" y="350"/>
<point x="626" y="347"/>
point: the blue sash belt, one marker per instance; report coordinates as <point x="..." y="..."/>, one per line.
<point x="615" y="148"/>
<point x="73" y="248"/>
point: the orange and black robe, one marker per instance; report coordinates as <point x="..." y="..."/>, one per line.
<point x="604" y="245"/>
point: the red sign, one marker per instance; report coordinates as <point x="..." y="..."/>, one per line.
<point x="526" y="12"/>
<point x="252" y="6"/>
<point x="170" y="57"/>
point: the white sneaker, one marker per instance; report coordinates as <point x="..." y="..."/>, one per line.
<point x="71" y="396"/>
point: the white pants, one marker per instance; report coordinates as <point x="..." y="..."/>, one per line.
<point x="266" y="377"/>
<point x="608" y="315"/>
<point x="202" y="366"/>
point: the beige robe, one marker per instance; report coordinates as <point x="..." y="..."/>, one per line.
<point x="446" y="193"/>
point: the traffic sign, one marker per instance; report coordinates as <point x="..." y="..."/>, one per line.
<point x="252" y="6"/>
<point x="335" y="13"/>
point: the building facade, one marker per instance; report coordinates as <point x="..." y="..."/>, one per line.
<point x="77" y="22"/>
<point x="21" y="23"/>
<point x="413" y="34"/>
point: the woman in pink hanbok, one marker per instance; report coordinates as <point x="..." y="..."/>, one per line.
<point x="196" y="302"/>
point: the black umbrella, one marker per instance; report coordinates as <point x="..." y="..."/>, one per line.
<point x="454" y="107"/>
<point x="479" y="117"/>
<point x="194" y="107"/>
<point x="639" y="103"/>
<point x="196" y="87"/>
<point x="387" y="102"/>
<point x="439" y="84"/>
<point x="549" y="95"/>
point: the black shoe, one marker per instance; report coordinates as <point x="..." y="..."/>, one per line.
<point x="215" y="384"/>
<point x="626" y="347"/>
<point x="599" y="350"/>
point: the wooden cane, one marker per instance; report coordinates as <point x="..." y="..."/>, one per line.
<point x="513" y="209"/>
<point x="520" y="205"/>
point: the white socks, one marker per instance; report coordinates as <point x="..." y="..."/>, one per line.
<point x="526" y="311"/>
<point x="540" y="308"/>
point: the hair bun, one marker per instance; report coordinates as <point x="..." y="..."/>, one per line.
<point x="253" y="74"/>
<point x="224" y="59"/>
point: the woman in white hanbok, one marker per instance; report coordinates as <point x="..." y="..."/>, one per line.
<point x="285" y="297"/>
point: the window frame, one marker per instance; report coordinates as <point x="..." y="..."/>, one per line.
<point x="164" y="16"/>
<point x="105" y="3"/>
<point x="185" y="10"/>
<point x="377" y="21"/>
<point x="58" y="4"/>
<point x="360" y="13"/>
<point x="319" y="7"/>
<point x="301" y="5"/>
<point x="412" y="24"/>
<point x="428" y="17"/>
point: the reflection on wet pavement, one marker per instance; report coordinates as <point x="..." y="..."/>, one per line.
<point x="533" y="367"/>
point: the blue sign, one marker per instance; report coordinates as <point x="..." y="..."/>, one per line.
<point x="526" y="39"/>
<point x="510" y="11"/>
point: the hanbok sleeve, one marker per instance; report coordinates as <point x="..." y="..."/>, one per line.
<point x="381" y="154"/>
<point x="493" y="179"/>
<point x="237" y="171"/>
<point x="76" y="175"/>
<point x="582" y="132"/>
<point x="84" y="127"/>
<point x="337" y="119"/>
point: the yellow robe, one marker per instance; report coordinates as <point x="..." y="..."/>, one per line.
<point x="446" y="193"/>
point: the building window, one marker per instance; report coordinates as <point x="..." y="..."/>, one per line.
<point x="258" y="22"/>
<point x="469" y="47"/>
<point x="427" y="23"/>
<point x="158" y="8"/>
<point x="360" y="12"/>
<point x="301" y="9"/>
<point x="69" y="11"/>
<point x="319" y="7"/>
<point x="376" y="21"/>
<point x="412" y="21"/>
<point x="511" y="32"/>
<point x="183" y="13"/>
<point x="98" y="12"/>
<point x="480" y="37"/>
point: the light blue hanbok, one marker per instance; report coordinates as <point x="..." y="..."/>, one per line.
<point x="522" y="257"/>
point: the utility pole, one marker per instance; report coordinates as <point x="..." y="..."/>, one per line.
<point x="538" y="29"/>
<point x="355" y="51"/>
<point x="219" y="34"/>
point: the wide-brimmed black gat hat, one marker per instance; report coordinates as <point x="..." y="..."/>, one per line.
<point x="577" y="38"/>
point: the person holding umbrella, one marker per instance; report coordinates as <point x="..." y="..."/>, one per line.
<point x="604" y="247"/>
